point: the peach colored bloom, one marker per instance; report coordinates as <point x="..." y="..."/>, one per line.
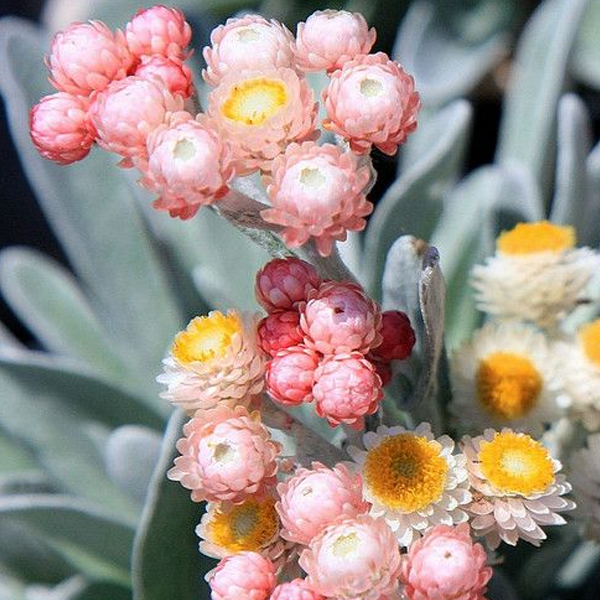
<point x="226" y="454"/>
<point x="247" y="43"/>
<point x="339" y="317"/>
<point x="330" y="38"/>
<point x="215" y="361"/>
<point x="290" y="375"/>
<point x="354" y="559"/>
<point x="245" y="575"/>
<point x="285" y="282"/>
<point x="262" y="111"/>
<point x="176" y="75"/>
<point x="317" y="192"/>
<point x="346" y="389"/>
<point x="297" y="589"/>
<point x="86" y="57"/>
<point x="446" y="565"/>
<point x="279" y="330"/>
<point x="128" y="111"/>
<point x="314" y="498"/>
<point x="60" y="128"/>
<point x="398" y="337"/>
<point x="188" y="164"/>
<point x="371" y="101"/>
<point x="159" y="30"/>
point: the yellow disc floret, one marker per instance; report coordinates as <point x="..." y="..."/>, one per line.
<point x="206" y="338"/>
<point x="531" y="238"/>
<point x="249" y="526"/>
<point x="254" y="101"/>
<point x="589" y="338"/>
<point x="508" y="385"/>
<point x="406" y="472"/>
<point x="515" y="463"/>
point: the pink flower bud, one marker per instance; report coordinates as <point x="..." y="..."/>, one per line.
<point x="297" y="589"/>
<point x="245" y="575"/>
<point x="290" y="375"/>
<point x="279" y="330"/>
<point x="176" y="75"/>
<point x="398" y="337"/>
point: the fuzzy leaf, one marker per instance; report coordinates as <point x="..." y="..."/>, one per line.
<point x="166" y="561"/>
<point x="585" y="62"/>
<point x="14" y="457"/>
<point x="592" y="238"/>
<point x="415" y="201"/>
<point x="527" y="130"/>
<point x="102" y="590"/>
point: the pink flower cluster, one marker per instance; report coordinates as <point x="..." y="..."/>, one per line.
<point x="324" y="339"/>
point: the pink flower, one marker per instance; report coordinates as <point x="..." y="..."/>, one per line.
<point x="297" y="589"/>
<point x="285" y="282"/>
<point x="346" y="389"/>
<point x="176" y="75"/>
<point x="446" y="565"/>
<point x="355" y="559"/>
<point x="330" y="38"/>
<point x="339" y="318"/>
<point x="159" y="30"/>
<point x="246" y="575"/>
<point x="128" y="111"/>
<point x="279" y="330"/>
<point x="86" y="57"/>
<point x="314" y="498"/>
<point x="290" y="375"/>
<point x="317" y="191"/>
<point x="371" y="101"/>
<point x="226" y="454"/>
<point x="398" y="337"/>
<point x="189" y="165"/>
<point x="247" y="43"/>
<point x="60" y="128"/>
<point x="262" y="111"/>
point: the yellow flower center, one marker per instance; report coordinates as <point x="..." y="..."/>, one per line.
<point x="508" y="385"/>
<point x="206" y="338"/>
<point x="249" y="526"/>
<point x="516" y="463"/>
<point x="254" y="101"/>
<point x="530" y="238"/>
<point x="406" y="472"/>
<point x="345" y="545"/>
<point x="589" y="338"/>
<point x="370" y="88"/>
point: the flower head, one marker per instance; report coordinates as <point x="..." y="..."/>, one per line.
<point x="261" y="112"/>
<point x="353" y="559"/>
<point x="585" y="476"/>
<point x="159" y="30"/>
<point x="330" y="38"/>
<point x="398" y="337"/>
<point x="279" y="330"/>
<point x="189" y="165"/>
<point x="317" y="192"/>
<point x="506" y="375"/>
<point x="60" y="128"/>
<point x="283" y="283"/>
<point x="247" y="43"/>
<point x="216" y="360"/>
<point x="87" y="57"/>
<point x="128" y="111"/>
<point x="290" y="375"/>
<point x="536" y="275"/>
<point x="314" y="498"/>
<point x="371" y="101"/>
<point x="346" y="389"/>
<point x="515" y="487"/>
<point x="339" y="317"/>
<point x="446" y="565"/>
<point x="243" y="575"/>
<point x="175" y="74"/>
<point x="226" y="454"/>
<point x="412" y="479"/>
<point x="297" y="589"/>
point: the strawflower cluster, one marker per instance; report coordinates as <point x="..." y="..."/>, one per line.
<point x="132" y="94"/>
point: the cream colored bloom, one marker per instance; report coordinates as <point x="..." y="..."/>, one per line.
<point x="536" y="275"/>
<point x="215" y="361"/>
<point x="505" y="376"/>
<point x="412" y="479"/>
<point x="585" y="476"/>
<point x="516" y="488"/>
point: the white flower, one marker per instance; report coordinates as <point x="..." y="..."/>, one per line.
<point x="515" y="487"/>
<point x="505" y="376"/>
<point x="585" y="476"/>
<point x="412" y="479"/>
<point x="536" y="275"/>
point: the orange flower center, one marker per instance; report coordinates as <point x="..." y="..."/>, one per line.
<point x="531" y="238"/>
<point x="589" y="338"/>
